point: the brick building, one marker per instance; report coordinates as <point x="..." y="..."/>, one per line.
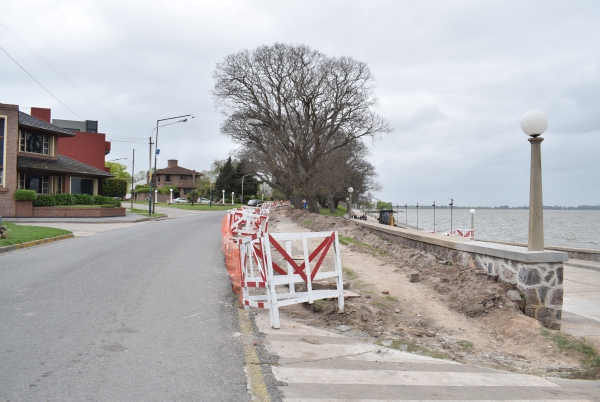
<point x="88" y="146"/>
<point x="30" y="159"/>
<point x="173" y="174"/>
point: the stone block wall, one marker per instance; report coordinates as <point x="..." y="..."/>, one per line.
<point x="541" y="284"/>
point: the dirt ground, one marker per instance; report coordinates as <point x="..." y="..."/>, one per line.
<point x="452" y="312"/>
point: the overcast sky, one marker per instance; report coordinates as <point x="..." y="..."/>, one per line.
<point x="453" y="78"/>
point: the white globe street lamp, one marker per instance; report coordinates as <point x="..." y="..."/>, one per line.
<point x="223" y="197"/>
<point x="472" y="211"/>
<point x="232" y="201"/>
<point x="171" y="195"/>
<point x="534" y="123"/>
<point x="350" y="190"/>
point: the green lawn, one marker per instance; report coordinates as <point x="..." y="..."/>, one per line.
<point x="144" y="212"/>
<point x="196" y="207"/>
<point x="22" y="234"/>
<point x="340" y="211"/>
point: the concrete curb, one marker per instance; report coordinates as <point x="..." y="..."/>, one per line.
<point x="142" y="219"/>
<point x="15" y="247"/>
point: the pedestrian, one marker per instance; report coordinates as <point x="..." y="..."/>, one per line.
<point x="304" y="204"/>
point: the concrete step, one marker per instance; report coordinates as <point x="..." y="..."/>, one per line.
<point x="322" y="366"/>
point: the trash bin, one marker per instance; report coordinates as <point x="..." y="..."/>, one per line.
<point x="384" y="216"/>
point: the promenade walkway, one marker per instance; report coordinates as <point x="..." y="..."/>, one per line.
<point x="321" y="366"/>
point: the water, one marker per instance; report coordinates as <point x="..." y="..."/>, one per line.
<point x="565" y="228"/>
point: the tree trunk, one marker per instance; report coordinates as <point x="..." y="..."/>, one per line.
<point x="331" y="201"/>
<point x="312" y="204"/>
<point x="296" y="201"/>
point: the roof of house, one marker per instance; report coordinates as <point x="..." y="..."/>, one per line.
<point x="178" y="170"/>
<point x="26" y="120"/>
<point x="62" y="164"/>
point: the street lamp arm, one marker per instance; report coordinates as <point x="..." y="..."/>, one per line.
<point x="176" y="117"/>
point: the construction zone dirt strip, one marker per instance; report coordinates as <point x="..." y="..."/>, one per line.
<point x="411" y="301"/>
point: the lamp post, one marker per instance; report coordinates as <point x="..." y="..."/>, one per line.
<point x="534" y="123"/>
<point x="153" y="173"/>
<point x="451" y="204"/>
<point x="232" y="200"/>
<point x="350" y="190"/>
<point x="417" y="215"/>
<point x="156" y="140"/>
<point x="171" y="190"/>
<point x="155" y="198"/>
<point x="243" y="187"/>
<point x="406" y="213"/>
<point x="433" y="216"/>
<point x="223" y="197"/>
<point x="472" y="211"/>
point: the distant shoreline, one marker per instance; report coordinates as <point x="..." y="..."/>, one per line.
<point x="549" y="208"/>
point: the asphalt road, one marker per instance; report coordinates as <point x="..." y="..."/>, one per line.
<point x="140" y="313"/>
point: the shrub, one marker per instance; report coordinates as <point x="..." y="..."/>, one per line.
<point x="83" y="199"/>
<point x="64" y="199"/>
<point x="167" y="189"/>
<point x="113" y="187"/>
<point x="142" y="189"/>
<point x="25" y="195"/>
<point x="3" y="232"/>
<point x="44" y="201"/>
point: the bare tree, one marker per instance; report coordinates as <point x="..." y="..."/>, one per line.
<point x="291" y="107"/>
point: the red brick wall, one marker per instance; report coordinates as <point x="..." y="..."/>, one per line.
<point x="58" y="212"/>
<point x="7" y="199"/>
<point x="88" y="148"/>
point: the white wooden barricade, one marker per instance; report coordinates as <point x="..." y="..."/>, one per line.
<point x="260" y="271"/>
<point x="464" y="233"/>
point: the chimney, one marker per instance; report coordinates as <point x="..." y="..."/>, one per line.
<point x="41" y="113"/>
<point x="172" y="162"/>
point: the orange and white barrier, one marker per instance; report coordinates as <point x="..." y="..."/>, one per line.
<point x="260" y="270"/>
<point x="464" y="233"/>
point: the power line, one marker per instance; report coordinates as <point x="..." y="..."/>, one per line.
<point x="33" y="78"/>
<point x="70" y="82"/>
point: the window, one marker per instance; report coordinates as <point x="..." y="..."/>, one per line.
<point x="34" y="143"/>
<point x="167" y="177"/>
<point x="36" y="182"/>
<point x="2" y="156"/>
<point x="183" y="177"/>
<point x="82" y="186"/>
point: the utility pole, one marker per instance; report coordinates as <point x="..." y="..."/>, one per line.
<point x="132" y="173"/>
<point x="150" y="176"/>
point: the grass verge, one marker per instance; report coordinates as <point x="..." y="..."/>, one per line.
<point x="22" y="234"/>
<point x="412" y="347"/>
<point x="340" y="211"/>
<point x="144" y="212"/>
<point x="588" y="355"/>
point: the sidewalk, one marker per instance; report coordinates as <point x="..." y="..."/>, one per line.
<point x="581" y="303"/>
<point x="129" y="217"/>
<point x="319" y="366"/>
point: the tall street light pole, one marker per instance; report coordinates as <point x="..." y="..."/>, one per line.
<point x="417" y="215"/>
<point x="156" y="145"/>
<point x="451" y="204"/>
<point x="433" y="216"/>
<point x="534" y="123"/>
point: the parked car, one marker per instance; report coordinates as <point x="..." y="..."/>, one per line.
<point x="180" y="200"/>
<point x="255" y="203"/>
<point x="203" y="201"/>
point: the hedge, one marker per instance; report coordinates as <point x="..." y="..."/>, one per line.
<point x="113" y="187"/>
<point x="44" y="201"/>
<point x="64" y="199"/>
<point x="25" y="195"/>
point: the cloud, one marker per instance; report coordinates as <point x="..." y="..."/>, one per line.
<point x="453" y="78"/>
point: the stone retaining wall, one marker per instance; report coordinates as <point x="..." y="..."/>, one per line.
<point x="540" y="282"/>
